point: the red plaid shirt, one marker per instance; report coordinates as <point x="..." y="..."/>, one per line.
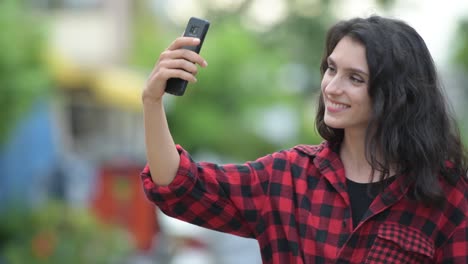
<point x="295" y="203"/>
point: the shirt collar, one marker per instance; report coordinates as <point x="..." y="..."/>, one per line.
<point x="326" y="158"/>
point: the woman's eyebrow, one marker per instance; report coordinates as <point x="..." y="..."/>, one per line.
<point x="331" y="61"/>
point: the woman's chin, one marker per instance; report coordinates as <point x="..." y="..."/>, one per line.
<point x="333" y="124"/>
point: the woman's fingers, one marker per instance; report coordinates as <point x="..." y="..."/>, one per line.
<point x="166" y="74"/>
<point x="180" y="64"/>
<point x="180" y="42"/>
<point x="183" y="54"/>
<point x="174" y="62"/>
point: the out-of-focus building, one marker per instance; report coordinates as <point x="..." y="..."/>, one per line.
<point x="84" y="144"/>
<point x="99" y="96"/>
<point x="90" y="146"/>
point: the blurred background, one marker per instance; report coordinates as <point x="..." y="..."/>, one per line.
<point x="71" y="131"/>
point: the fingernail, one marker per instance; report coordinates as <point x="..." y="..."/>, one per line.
<point x="196" y="40"/>
<point x="205" y="63"/>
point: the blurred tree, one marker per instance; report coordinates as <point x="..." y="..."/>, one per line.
<point x="224" y="111"/>
<point x="461" y="54"/>
<point x="386" y="4"/>
<point x="55" y="233"/>
<point x="22" y="75"/>
<point x="149" y="36"/>
<point x="461" y="58"/>
<point x="258" y="93"/>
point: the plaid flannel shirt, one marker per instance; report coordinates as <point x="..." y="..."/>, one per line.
<point x="295" y="204"/>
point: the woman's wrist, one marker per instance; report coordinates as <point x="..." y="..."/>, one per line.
<point x="150" y="100"/>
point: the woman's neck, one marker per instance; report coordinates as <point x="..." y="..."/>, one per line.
<point x="353" y="156"/>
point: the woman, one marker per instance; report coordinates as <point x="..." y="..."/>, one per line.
<point x="388" y="183"/>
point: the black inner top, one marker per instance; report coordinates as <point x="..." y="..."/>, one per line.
<point x="361" y="196"/>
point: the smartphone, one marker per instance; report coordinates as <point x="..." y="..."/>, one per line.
<point x="197" y="28"/>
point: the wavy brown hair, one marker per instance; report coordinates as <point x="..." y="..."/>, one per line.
<point x="411" y="127"/>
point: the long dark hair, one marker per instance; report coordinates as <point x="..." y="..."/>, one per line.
<point x="411" y="127"/>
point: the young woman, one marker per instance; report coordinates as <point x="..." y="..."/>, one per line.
<point x="388" y="183"/>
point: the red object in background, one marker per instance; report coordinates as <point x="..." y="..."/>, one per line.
<point x="119" y="199"/>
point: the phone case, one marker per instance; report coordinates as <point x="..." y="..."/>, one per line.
<point x="198" y="28"/>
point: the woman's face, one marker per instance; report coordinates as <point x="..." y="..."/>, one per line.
<point x="345" y="86"/>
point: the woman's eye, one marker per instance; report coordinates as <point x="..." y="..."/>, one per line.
<point x="331" y="69"/>
<point x="356" y="79"/>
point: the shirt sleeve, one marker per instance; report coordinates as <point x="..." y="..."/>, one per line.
<point x="227" y="198"/>
<point x="456" y="249"/>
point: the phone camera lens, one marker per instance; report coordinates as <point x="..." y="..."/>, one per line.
<point x="193" y="30"/>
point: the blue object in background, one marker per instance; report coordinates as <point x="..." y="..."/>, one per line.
<point x="28" y="157"/>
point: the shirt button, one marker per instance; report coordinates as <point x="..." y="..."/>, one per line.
<point x="344" y="223"/>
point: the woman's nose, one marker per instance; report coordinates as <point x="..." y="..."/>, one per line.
<point x="333" y="86"/>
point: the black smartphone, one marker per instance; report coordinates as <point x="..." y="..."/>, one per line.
<point x="197" y="28"/>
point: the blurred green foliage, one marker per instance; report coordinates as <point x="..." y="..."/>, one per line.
<point x="461" y="54"/>
<point x="249" y="76"/>
<point x="222" y="113"/>
<point x="23" y="77"/>
<point x="461" y="59"/>
<point x="54" y="233"/>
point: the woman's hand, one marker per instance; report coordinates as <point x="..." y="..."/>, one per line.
<point x="174" y="62"/>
